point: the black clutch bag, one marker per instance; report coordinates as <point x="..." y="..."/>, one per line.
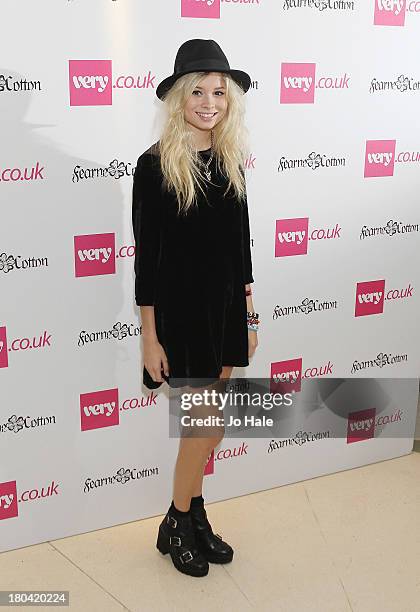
<point x="149" y="382"/>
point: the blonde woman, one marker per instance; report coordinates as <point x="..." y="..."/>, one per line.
<point x="193" y="270"/>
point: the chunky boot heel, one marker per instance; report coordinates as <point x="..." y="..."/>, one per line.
<point x="162" y="544"/>
<point x="211" y="545"/>
<point x="176" y="537"/>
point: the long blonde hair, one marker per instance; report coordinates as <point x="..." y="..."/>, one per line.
<point x="180" y="160"/>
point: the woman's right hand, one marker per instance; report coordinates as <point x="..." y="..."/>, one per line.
<point x="154" y="359"/>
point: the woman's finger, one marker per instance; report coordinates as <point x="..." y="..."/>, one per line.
<point x="165" y="366"/>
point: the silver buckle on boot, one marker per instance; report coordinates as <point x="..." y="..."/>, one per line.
<point x="187" y="552"/>
<point x="174" y="521"/>
<point x="173" y="538"/>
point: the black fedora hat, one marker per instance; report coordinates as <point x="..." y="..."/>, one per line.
<point x="199" y="55"/>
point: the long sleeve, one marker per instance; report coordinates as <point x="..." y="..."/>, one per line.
<point x="147" y="230"/>
<point x="246" y="244"/>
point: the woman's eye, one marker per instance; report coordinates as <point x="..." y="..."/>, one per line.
<point x="197" y="92"/>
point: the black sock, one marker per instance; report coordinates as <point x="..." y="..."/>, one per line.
<point x="197" y="501"/>
<point x="174" y="510"/>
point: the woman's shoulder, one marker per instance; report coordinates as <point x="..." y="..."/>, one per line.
<point x="148" y="164"/>
<point x="150" y="155"/>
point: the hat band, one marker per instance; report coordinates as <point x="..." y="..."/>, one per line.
<point x="203" y="65"/>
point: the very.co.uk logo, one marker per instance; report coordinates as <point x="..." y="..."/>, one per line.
<point x="380" y="158"/>
<point x="94" y="254"/>
<point x="286" y="376"/>
<point x="102" y="408"/>
<point x="21" y="344"/>
<point x="4" y="359"/>
<point x="361" y="425"/>
<point x="99" y="409"/>
<point x="32" y="173"/>
<point x="208" y="9"/>
<point x="91" y="83"/>
<point x="9" y="501"/>
<point x="364" y="424"/>
<point x="298" y="83"/>
<point x="390" y="12"/>
<point x="224" y="453"/>
<point x="371" y="296"/>
<point x="292" y="235"/>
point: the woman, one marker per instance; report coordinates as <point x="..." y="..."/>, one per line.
<point x="193" y="270"/>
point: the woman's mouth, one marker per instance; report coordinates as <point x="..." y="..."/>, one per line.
<point x="206" y="116"/>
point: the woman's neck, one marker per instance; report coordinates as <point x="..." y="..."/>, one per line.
<point x="201" y="139"/>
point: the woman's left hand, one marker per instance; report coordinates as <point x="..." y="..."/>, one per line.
<point x="252" y="342"/>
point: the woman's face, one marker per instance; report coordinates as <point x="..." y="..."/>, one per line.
<point x="207" y="104"/>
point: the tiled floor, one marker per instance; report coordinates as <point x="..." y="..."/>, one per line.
<point x="347" y="541"/>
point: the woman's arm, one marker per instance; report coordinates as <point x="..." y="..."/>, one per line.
<point x="146" y="220"/>
<point x="249" y="304"/>
<point x="148" y="242"/>
<point x="246" y="244"/>
<point x="248" y="277"/>
<point x="148" y="325"/>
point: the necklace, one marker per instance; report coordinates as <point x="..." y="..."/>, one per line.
<point x="206" y="165"/>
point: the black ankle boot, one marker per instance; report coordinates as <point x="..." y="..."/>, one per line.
<point x="176" y="537"/>
<point x="210" y="544"/>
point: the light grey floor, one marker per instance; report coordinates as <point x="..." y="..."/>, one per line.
<point x="347" y="541"/>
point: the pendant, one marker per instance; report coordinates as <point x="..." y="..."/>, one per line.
<point x="208" y="175"/>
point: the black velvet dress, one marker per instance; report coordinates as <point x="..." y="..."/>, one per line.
<point x="193" y="270"/>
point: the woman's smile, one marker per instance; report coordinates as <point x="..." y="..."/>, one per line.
<point x="206" y="116"/>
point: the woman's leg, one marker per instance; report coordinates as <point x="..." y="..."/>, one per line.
<point x="198" y="483"/>
<point x="192" y="457"/>
<point x="193" y="453"/>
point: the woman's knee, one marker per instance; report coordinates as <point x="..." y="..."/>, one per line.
<point x="209" y="442"/>
<point x="217" y="438"/>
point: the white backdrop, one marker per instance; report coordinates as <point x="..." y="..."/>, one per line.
<point x="334" y="131"/>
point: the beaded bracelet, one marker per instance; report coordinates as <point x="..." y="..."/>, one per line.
<point x="248" y="292"/>
<point x="253" y="321"/>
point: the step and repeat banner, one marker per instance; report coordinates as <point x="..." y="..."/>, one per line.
<point x="333" y="183"/>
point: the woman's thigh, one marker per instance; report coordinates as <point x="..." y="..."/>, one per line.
<point x="226" y="371"/>
<point x="202" y="406"/>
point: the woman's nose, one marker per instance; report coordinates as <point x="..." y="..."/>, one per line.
<point x="207" y="101"/>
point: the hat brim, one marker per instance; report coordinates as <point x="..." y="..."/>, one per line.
<point x="241" y="78"/>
